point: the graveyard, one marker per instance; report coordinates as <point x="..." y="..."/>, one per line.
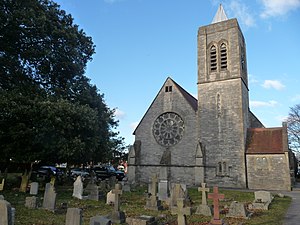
<point x="137" y="204"/>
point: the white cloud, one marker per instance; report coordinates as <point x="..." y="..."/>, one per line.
<point x="273" y="84"/>
<point x="296" y="98"/>
<point x="257" y="104"/>
<point x="119" y="114"/>
<point x="281" y="118"/>
<point x="252" y="79"/>
<point x="278" y="7"/>
<point x="241" y="11"/>
<point x="133" y="125"/>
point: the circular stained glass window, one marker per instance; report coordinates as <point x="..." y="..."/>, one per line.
<point x="168" y="129"/>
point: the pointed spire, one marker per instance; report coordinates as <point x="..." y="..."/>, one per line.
<point x="220" y="15"/>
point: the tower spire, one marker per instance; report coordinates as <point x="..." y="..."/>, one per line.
<point x="220" y="15"/>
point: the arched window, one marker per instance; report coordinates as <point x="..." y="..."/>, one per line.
<point x="223" y="56"/>
<point x="213" y="58"/>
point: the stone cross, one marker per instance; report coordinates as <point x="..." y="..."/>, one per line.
<point x="181" y="211"/>
<point x="117" y="191"/>
<point x="216" y="197"/>
<point x="203" y="190"/>
<point x="154" y="185"/>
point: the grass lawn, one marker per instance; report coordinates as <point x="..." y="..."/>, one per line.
<point x="133" y="205"/>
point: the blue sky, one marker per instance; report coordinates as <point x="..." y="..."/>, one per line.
<point x="139" y="43"/>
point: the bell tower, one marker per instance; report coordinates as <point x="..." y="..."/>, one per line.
<point x="223" y="101"/>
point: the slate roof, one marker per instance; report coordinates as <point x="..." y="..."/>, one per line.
<point x="265" y="140"/>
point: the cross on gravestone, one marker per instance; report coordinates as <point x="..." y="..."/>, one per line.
<point x="181" y="211"/>
<point x="216" y="197"/>
<point x="117" y="191"/>
<point x="203" y="190"/>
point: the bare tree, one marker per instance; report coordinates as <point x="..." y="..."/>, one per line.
<point x="293" y="122"/>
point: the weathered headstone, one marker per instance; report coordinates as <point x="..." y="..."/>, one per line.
<point x="100" y="220"/>
<point x="141" y="220"/>
<point x="152" y="201"/>
<point x="181" y="211"/>
<point x="93" y="191"/>
<point x="1" y="197"/>
<point x="2" y="185"/>
<point x="164" y="184"/>
<point x="24" y="183"/>
<point x="112" y="182"/>
<point x="125" y="185"/>
<point x="78" y="188"/>
<point x="117" y="216"/>
<point x="179" y="191"/>
<point x="237" y="210"/>
<point x="5" y="213"/>
<point x="34" y="188"/>
<point x="52" y="180"/>
<point x="215" y="196"/>
<point x="31" y="202"/>
<point x="203" y="208"/>
<point x="110" y="198"/>
<point x="74" y="216"/>
<point x="262" y="200"/>
<point x="49" y="197"/>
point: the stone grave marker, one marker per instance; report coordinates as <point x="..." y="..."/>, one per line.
<point x="181" y="211"/>
<point x="164" y="184"/>
<point x="237" y="210"/>
<point x="49" y="197"/>
<point x="93" y="191"/>
<point x="141" y="220"/>
<point x="100" y="220"/>
<point x="31" y="202"/>
<point x="74" y="216"/>
<point x="179" y="191"/>
<point x="1" y="197"/>
<point x="117" y="216"/>
<point x="52" y="180"/>
<point x="112" y="182"/>
<point x="6" y="214"/>
<point x="110" y="198"/>
<point x="78" y="188"/>
<point x="152" y="201"/>
<point x="203" y="208"/>
<point x="215" y="196"/>
<point x="24" y="183"/>
<point x="2" y="185"/>
<point x="34" y="188"/>
<point x="262" y="200"/>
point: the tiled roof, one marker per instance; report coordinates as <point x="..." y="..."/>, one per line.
<point x="265" y="140"/>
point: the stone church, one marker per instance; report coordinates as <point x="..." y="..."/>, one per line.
<point x="216" y="138"/>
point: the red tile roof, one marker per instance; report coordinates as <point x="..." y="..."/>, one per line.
<point x="265" y="140"/>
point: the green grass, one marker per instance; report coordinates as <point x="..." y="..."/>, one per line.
<point x="133" y="205"/>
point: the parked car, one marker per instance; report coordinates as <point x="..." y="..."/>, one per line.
<point x="79" y="172"/>
<point x="106" y="171"/>
<point x="48" y="171"/>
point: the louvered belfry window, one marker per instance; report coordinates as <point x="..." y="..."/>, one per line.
<point x="223" y="56"/>
<point x="213" y="58"/>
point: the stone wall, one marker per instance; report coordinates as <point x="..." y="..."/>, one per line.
<point x="268" y="171"/>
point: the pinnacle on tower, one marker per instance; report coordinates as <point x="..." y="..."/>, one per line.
<point x="220" y="15"/>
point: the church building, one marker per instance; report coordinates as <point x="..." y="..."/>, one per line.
<point x="214" y="139"/>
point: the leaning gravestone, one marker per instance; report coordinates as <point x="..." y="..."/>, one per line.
<point x="6" y="217"/>
<point x="34" y="188"/>
<point x="78" y="188"/>
<point x="31" y="202"/>
<point x="237" y="210"/>
<point x="203" y="208"/>
<point x="181" y="211"/>
<point x="24" y="183"/>
<point x="116" y="215"/>
<point x="100" y="220"/>
<point x="74" y="216"/>
<point x="49" y="197"/>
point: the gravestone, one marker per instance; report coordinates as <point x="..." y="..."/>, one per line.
<point x="203" y="208"/>
<point x="181" y="211"/>
<point x="6" y="217"/>
<point x="74" y="216"/>
<point x="152" y="201"/>
<point x="49" y="197"/>
<point x="34" y="188"/>
<point x="237" y="210"/>
<point x="2" y="185"/>
<point x="24" y="183"/>
<point x="78" y="188"/>
<point x="100" y="220"/>
<point x="117" y="216"/>
<point x="262" y="200"/>
<point x="141" y="220"/>
<point x="179" y="191"/>
<point x="164" y="184"/>
<point x="215" y="196"/>
<point x="52" y="180"/>
<point x="110" y="198"/>
<point x="93" y="191"/>
<point x="112" y="182"/>
<point x="125" y="185"/>
<point x="31" y="202"/>
<point x="1" y="197"/>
